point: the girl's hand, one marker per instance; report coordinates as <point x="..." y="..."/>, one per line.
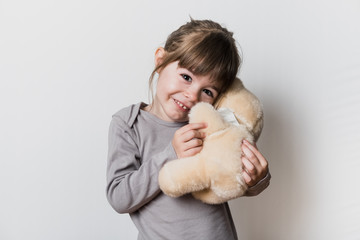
<point x="188" y="140"/>
<point x="254" y="164"/>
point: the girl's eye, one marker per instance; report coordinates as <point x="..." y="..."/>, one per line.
<point x="208" y="92"/>
<point x="186" y="77"/>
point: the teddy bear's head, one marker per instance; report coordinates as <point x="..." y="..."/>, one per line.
<point x="246" y="107"/>
<point x="237" y="106"/>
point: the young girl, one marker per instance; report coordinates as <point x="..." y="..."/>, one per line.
<point x="198" y="63"/>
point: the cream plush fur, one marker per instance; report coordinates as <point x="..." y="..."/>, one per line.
<point x="214" y="174"/>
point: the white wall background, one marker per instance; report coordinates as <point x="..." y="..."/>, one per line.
<point x="67" y="66"/>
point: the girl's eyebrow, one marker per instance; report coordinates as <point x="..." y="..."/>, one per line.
<point x="185" y="69"/>
<point x="216" y="89"/>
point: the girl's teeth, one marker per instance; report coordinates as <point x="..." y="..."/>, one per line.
<point x="181" y="105"/>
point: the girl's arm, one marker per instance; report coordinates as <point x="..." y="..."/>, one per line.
<point x="130" y="185"/>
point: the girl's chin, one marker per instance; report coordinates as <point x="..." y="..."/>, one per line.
<point x="182" y="120"/>
<point x="175" y="116"/>
<point x="171" y="113"/>
<point x="178" y="118"/>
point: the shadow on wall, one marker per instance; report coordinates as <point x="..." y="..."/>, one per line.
<point x="280" y="206"/>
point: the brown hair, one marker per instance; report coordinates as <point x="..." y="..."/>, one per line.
<point x="203" y="47"/>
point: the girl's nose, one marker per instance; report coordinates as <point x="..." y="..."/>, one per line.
<point x="192" y="95"/>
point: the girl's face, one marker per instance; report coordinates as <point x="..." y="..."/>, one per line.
<point x="178" y="90"/>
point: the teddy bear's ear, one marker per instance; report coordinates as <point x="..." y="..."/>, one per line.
<point x="236" y="86"/>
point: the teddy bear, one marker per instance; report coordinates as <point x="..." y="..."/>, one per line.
<point x="214" y="175"/>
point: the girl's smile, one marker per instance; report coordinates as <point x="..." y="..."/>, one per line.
<point x="182" y="106"/>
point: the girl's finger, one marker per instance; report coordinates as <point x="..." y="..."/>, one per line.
<point x="192" y="151"/>
<point x="191" y="134"/>
<point x="249" y="167"/>
<point x="193" y="143"/>
<point x="256" y="152"/>
<point x="251" y="156"/>
<point x="247" y="178"/>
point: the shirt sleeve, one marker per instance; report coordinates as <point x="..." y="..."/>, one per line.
<point x="131" y="183"/>
<point x="259" y="187"/>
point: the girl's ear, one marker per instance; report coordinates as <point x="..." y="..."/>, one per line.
<point x="159" y="56"/>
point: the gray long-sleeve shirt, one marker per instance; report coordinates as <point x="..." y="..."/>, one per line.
<point x="139" y="145"/>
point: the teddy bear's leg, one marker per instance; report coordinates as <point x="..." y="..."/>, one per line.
<point x="182" y="176"/>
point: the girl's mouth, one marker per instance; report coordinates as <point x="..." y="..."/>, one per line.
<point x="181" y="105"/>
